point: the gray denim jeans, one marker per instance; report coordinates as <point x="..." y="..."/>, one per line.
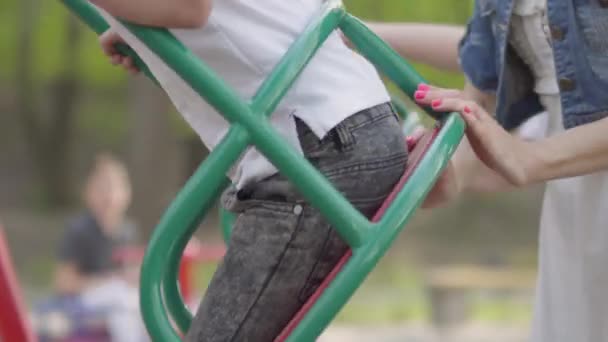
<point x="282" y="248"/>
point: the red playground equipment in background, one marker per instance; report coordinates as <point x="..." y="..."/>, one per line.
<point x="194" y="254"/>
<point x="14" y="325"/>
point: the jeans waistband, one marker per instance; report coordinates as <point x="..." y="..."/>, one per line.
<point x="366" y="116"/>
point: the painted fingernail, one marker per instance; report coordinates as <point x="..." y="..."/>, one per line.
<point x="419" y="94"/>
<point x="423" y="87"/>
<point x="436" y="103"/>
<point x="411" y="143"/>
<point x="469" y="112"/>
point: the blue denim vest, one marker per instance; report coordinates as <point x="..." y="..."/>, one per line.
<point x="579" y="31"/>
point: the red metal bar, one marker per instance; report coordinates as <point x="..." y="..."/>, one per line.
<point x="186" y="278"/>
<point x="14" y="325"/>
<point x="193" y="254"/>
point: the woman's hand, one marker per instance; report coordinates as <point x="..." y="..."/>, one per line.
<point x="512" y="158"/>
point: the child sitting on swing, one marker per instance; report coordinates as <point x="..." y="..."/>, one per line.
<point x="337" y="115"/>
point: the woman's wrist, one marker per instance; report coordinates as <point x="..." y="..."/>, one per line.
<point x="535" y="163"/>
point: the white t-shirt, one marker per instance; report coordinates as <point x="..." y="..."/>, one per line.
<point x="242" y="42"/>
<point x="571" y="298"/>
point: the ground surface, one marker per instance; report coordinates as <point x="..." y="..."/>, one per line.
<point x="424" y="333"/>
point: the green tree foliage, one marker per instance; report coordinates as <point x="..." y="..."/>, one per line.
<point x="454" y="12"/>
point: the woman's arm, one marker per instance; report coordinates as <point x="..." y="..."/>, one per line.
<point x="575" y="152"/>
<point x="432" y="44"/>
<point x="159" y="13"/>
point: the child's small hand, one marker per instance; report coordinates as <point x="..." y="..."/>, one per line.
<point x="108" y="41"/>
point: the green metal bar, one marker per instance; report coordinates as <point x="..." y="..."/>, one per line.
<point x="313" y="186"/>
<point x="350" y="224"/>
<point x="316" y="188"/>
<point x="423" y="179"/>
<point x="369" y="241"/>
<point x="90" y="16"/>
<point x="297" y="57"/>
<point x="193" y="71"/>
<point x="267" y="98"/>
<point x="365" y="258"/>
<point x="384" y="57"/>
<point x="410" y="121"/>
<point x="226" y="101"/>
<point x="287" y="71"/>
<point x="176" y="227"/>
<point x="400" y="107"/>
<point x="227" y="220"/>
<point x="409" y="198"/>
<point x="301" y="170"/>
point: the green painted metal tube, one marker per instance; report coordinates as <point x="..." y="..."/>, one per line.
<point x="384" y="57"/>
<point x="268" y="95"/>
<point x="160" y="267"/>
<point x="400" y="107"/>
<point x="297" y="57"/>
<point x="174" y="230"/>
<point x="89" y="15"/>
<point x="410" y="121"/>
<point x="266" y="100"/>
<point x="227" y="220"/>
<point x="193" y="71"/>
<point x="293" y="63"/>
<point x="350" y="224"/>
<point x="309" y="181"/>
<point x="365" y="258"/>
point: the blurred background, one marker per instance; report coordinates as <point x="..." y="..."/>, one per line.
<point x="464" y="272"/>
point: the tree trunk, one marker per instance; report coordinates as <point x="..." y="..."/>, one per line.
<point x="155" y="159"/>
<point x="26" y="91"/>
<point x="60" y="130"/>
<point x="48" y="131"/>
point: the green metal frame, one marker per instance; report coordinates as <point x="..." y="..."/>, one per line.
<point x="410" y="120"/>
<point x="249" y="126"/>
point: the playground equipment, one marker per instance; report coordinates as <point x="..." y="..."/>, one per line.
<point x="14" y="325"/>
<point x="194" y="255"/>
<point x="160" y="293"/>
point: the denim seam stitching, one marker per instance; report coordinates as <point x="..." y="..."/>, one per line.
<point x="370" y="121"/>
<point x="268" y="278"/>
<point x="312" y="272"/>
<point x="272" y="206"/>
<point x="367" y="166"/>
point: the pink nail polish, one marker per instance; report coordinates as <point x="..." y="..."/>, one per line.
<point x="424" y="87"/>
<point x="436" y="103"/>
<point x="411" y="143"/>
<point x="419" y="95"/>
<point x="467" y="110"/>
